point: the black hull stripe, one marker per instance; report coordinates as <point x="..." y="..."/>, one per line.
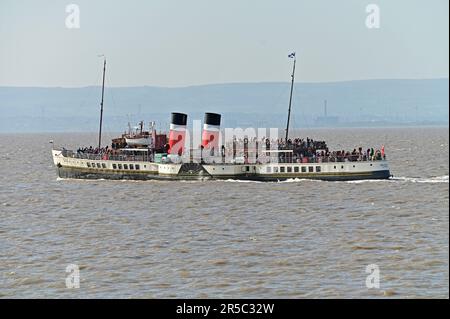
<point x="81" y="173"/>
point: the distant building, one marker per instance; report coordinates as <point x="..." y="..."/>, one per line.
<point x="326" y="120"/>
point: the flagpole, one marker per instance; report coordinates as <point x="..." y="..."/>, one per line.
<point x="101" y="106"/>
<point x="290" y="99"/>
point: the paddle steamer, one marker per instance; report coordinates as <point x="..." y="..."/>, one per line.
<point x="147" y="155"/>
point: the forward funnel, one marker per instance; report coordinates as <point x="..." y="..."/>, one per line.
<point x="177" y="133"/>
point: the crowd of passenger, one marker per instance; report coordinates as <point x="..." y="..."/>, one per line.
<point x="298" y="150"/>
<point x="92" y="150"/>
<point x="308" y="150"/>
<point x="95" y="152"/>
<point x="108" y="153"/>
<point x="325" y="156"/>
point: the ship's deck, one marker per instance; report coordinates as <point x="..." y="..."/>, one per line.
<point x="148" y="157"/>
<point x="71" y="166"/>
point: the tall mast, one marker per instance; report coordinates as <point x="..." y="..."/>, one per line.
<point x="292" y="55"/>
<point x="101" y="106"/>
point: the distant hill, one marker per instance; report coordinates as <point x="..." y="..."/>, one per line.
<point x="368" y="102"/>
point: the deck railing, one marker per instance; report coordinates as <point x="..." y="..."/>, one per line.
<point x="291" y="159"/>
<point x="109" y="157"/>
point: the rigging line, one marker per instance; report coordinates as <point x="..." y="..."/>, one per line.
<point x="283" y="93"/>
<point x="113" y="105"/>
<point x="300" y="115"/>
<point x="88" y="100"/>
<point x="293" y="123"/>
<point x="280" y="100"/>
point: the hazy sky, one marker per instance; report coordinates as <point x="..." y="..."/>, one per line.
<point x="178" y="43"/>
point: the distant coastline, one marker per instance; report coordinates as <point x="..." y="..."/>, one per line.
<point x="360" y="103"/>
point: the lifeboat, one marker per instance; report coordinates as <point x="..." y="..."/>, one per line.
<point x="138" y="140"/>
<point x="138" y="137"/>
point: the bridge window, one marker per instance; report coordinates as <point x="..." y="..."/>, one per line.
<point x="268" y="169"/>
<point x="318" y="169"/>
<point x="119" y="166"/>
<point x="131" y="166"/>
<point x="137" y="166"/>
<point x="275" y="169"/>
<point x="125" y="166"/>
<point x="114" y="166"/>
<point x="103" y="165"/>
<point x="88" y="164"/>
<point x="282" y="169"/>
<point x="296" y="169"/>
<point x="289" y="169"/>
<point x="98" y="165"/>
<point x="311" y="169"/>
<point x="303" y="169"/>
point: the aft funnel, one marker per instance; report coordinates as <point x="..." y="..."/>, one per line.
<point x="211" y="130"/>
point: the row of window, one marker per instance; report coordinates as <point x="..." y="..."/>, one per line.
<point x="115" y="166"/>
<point x="126" y="166"/>
<point x="98" y="165"/>
<point x="295" y="169"/>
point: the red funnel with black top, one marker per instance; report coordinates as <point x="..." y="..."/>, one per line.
<point x="211" y="130"/>
<point x="177" y="133"/>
